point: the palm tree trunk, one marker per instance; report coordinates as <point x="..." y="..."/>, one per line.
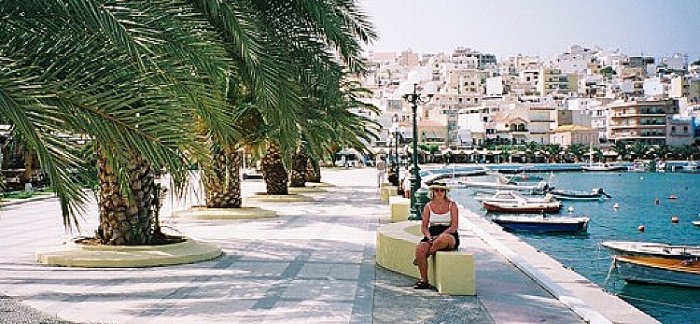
<point x="124" y="222"/>
<point x="273" y="171"/>
<point x="297" y="177"/>
<point x="313" y="171"/>
<point x="222" y="181"/>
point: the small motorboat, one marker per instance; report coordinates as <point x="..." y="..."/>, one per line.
<point x="637" y="166"/>
<point x="542" y="223"/>
<point x="659" y="250"/>
<point x="594" y="194"/>
<point x="691" y="166"/>
<point x="603" y="167"/>
<point x="540" y="187"/>
<point x="661" y="167"/>
<point x="512" y="196"/>
<point x="696" y="223"/>
<point x="524" y="177"/>
<point x="522" y="207"/>
<point x="658" y="270"/>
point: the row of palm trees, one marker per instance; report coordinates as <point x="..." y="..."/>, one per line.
<point x="155" y="84"/>
<point x="624" y="151"/>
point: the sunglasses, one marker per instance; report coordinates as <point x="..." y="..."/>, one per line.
<point x="439" y="190"/>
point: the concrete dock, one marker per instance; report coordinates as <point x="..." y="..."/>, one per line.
<point x="314" y="263"/>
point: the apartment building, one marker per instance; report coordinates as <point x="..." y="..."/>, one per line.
<point x="575" y="60"/>
<point x="680" y="130"/>
<point x="552" y="81"/>
<point x="568" y="135"/>
<point x="542" y="121"/>
<point x="640" y="121"/>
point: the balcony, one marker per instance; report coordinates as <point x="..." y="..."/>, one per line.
<point x="541" y="120"/>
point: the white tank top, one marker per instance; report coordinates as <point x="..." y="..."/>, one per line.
<point x="443" y="219"/>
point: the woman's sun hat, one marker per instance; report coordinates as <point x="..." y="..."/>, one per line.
<point x="438" y="185"/>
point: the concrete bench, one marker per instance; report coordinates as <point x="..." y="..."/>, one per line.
<point x="388" y="191"/>
<point x="400" y="208"/>
<point x="451" y="272"/>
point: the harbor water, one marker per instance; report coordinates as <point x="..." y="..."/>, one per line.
<point x="636" y="194"/>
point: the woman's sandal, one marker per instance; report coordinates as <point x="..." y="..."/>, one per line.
<point x="421" y="285"/>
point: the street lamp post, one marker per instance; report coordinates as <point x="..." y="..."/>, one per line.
<point x="414" y="98"/>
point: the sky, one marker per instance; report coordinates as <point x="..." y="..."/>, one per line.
<point x="536" y="27"/>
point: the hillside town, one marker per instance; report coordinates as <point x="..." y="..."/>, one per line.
<point x="583" y="97"/>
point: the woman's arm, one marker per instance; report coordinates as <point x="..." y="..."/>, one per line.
<point x="425" y="221"/>
<point x="454" y="215"/>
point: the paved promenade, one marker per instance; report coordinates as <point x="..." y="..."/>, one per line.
<point x="312" y="264"/>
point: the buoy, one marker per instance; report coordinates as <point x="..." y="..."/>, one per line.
<point x="616" y="206"/>
<point x="640" y="228"/>
<point x="656" y="201"/>
<point x="674" y="219"/>
<point x="571" y="209"/>
<point x="641" y="178"/>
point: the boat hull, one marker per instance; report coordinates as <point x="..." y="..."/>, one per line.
<point x="527" y="208"/>
<point x="542" y="225"/>
<point x="650" y="249"/>
<point x="684" y="273"/>
<point x="576" y="197"/>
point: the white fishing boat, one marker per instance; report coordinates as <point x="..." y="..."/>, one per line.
<point x="512" y="196"/>
<point x="637" y="166"/>
<point x="600" y="166"/>
<point x="661" y="166"/>
<point x="522" y="207"/>
<point x="661" y="250"/>
<point x="658" y="270"/>
<point x="482" y="186"/>
<point x="696" y="223"/>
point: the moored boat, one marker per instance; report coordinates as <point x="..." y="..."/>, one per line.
<point x="512" y="196"/>
<point x="542" y="223"/>
<point x="658" y="270"/>
<point x="594" y="194"/>
<point x="522" y="207"/>
<point x="603" y="167"/>
<point x="651" y="249"/>
<point x="696" y="223"/>
<point x="540" y="187"/>
<point x="637" y="166"/>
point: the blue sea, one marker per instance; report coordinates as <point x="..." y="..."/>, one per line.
<point x="635" y="193"/>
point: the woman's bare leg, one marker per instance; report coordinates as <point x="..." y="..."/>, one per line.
<point x="422" y="250"/>
<point x="443" y="242"/>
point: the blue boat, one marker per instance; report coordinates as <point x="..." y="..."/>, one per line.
<point x="543" y="223"/>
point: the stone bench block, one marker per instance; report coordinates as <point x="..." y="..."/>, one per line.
<point x="454" y="273"/>
<point x="400" y="209"/>
<point x="388" y="191"/>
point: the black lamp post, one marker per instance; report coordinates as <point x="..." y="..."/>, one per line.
<point x="396" y="150"/>
<point x="414" y="98"/>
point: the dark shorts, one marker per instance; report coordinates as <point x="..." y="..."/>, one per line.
<point x="436" y="230"/>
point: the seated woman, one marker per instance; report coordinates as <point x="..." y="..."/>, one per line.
<point x="439" y="227"/>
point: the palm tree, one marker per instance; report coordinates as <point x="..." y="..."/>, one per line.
<point x="578" y="151"/>
<point x="297" y="178"/>
<point x="274" y="172"/>
<point x="91" y="71"/>
<point x="639" y="150"/>
<point x="621" y="149"/>
<point x="553" y="151"/>
<point x="662" y="151"/>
